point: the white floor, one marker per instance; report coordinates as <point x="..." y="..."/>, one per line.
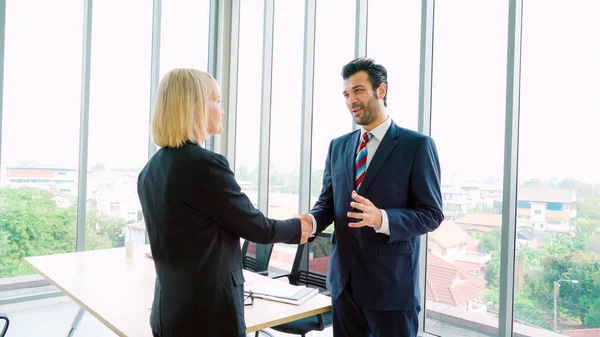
<point x="53" y="317"/>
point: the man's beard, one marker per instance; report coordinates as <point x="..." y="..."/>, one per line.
<point x="365" y="118"/>
<point x="368" y="112"/>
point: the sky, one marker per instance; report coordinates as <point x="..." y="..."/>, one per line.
<point x="560" y="80"/>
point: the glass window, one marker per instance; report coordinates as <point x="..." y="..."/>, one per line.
<point x="119" y="124"/>
<point x="393" y="40"/>
<point x="557" y="262"/>
<point x="247" y="143"/>
<point x="286" y="110"/>
<point x="184" y="35"/>
<point x="468" y="113"/>
<point x="331" y="119"/>
<point x="40" y="131"/>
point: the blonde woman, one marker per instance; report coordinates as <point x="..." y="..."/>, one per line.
<point x="196" y="214"/>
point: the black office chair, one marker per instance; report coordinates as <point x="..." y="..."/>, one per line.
<point x="4" y="317"/>
<point x="310" y="269"/>
<point x="255" y="257"/>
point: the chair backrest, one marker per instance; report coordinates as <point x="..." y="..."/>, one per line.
<point x="311" y="262"/>
<point x="255" y="256"/>
<point x="5" y="318"/>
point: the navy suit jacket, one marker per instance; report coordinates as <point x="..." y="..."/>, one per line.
<point x="403" y="178"/>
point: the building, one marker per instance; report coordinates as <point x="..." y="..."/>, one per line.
<point x="453" y="286"/>
<point x="450" y="243"/>
<point x="457" y="201"/>
<point x="464" y="198"/>
<point x="582" y="333"/>
<point x="115" y="193"/>
<point x="60" y="181"/>
<point x="547" y="209"/>
<point x="474" y="223"/>
<point x="136" y="232"/>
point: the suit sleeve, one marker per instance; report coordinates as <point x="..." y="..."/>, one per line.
<point x="234" y="211"/>
<point x="323" y="211"/>
<point x="425" y="213"/>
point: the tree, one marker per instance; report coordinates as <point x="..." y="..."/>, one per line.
<point x="316" y="183"/>
<point x="490" y="243"/>
<point x="242" y="173"/>
<point x="32" y="224"/>
<point x="98" y="167"/>
<point x="535" y="183"/>
<point x="99" y="224"/>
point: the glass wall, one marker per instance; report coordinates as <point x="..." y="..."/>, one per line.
<point x="399" y="53"/>
<point x="557" y="269"/>
<point x="467" y="123"/>
<point x="184" y="34"/>
<point x="334" y="47"/>
<point x="119" y="124"/>
<point x="249" y="97"/>
<point x="286" y="109"/>
<point x="557" y="207"/>
<point x="40" y="131"/>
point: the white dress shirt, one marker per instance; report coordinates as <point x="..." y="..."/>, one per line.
<point x="378" y="134"/>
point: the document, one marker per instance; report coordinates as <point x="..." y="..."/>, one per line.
<point x="274" y="290"/>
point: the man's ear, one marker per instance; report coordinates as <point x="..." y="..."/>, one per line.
<point x="382" y="91"/>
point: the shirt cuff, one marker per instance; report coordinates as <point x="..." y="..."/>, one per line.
<point x="314" y="223"/>
<point x="385" y="224"/>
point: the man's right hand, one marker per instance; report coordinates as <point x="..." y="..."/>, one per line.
<point x="307" y="227"/>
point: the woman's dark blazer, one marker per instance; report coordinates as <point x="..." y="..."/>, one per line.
<point x="195" y="215"/>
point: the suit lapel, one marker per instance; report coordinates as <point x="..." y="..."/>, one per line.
<point x="349" y="154"/>
<point x="389" y="142"/>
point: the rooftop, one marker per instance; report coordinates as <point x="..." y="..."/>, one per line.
<point x="546" y="195"/>
<point x="448" y="234"/>
<point x="449" y="284"/>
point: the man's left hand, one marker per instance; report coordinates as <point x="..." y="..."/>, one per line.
<point x="370" y="216"/>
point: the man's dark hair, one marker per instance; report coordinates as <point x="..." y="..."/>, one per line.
<point x="377" y="73"/>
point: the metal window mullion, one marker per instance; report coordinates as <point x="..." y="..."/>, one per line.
<point x="425" y="89"/>
<point x="154" y="69"/>
<point x="154" y="74"/>
<point x="213" y="52"/>
<point x="360" y="34"/>
<point x="509" y="192"/>
<point x="360" y="27"/>
<point x="2" y="39"/>
<point x="265" y="113"/>
<point x="213" y="37"/>
<point x="310" y="19"/>
<point x="223" y="45"/>
<point x="228" y="77"/>
<point x="84" y="125"/>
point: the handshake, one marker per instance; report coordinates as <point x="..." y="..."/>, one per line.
<point x="365" y="213"/>
<point x="307" y="227"/>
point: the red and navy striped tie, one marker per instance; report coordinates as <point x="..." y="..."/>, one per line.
<point x="360" y="164"/>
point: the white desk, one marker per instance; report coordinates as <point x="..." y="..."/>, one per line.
<point x="118" y="291"/>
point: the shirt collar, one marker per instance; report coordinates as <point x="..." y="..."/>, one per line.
<point x="380" y="130"/>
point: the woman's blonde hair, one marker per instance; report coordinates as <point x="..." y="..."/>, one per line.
<point x="181" y="109"/>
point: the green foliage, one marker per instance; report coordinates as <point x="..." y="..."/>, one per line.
<point x="561" y="258"/>
<point x="242" y="173"/>
<point x="490" y="242"/>
<point x="32" y="224"/>
<point x="320" y="247"/>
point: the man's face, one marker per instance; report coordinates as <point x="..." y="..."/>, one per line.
<point x="361" y="99"/>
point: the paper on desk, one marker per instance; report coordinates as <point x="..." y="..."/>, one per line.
<point x="272" y="288"/>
